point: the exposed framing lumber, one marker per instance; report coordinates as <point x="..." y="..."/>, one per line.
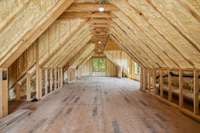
<point x="169" y="85"/>
<point x="146" y="38"/>
<point x="9" y="18"/>
<point x="126" y="39"/>
<point x="179" y="29"/>
<point x="141" y="45"/>
<point x="196" y="91"/>
<point x="161" y="82"/>
<point x="90" y="7"/>
<point x="65" y="56"/>
<point x="148" y="16"/>
<point x="68" y="15"/>
<point x="117" y="41"/>
<point x="133" y="13"/>
<point x="62" y="43"/>
<point x="3" y="92"/>
<point x="28" y="86"/>
<point x="36" y="31"/>
<point x="53" y="59"/>
<point x="180" y="79"/>
<point x="51" y="79"/>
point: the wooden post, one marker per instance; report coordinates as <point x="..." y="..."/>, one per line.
<point x="55" y="78"/>
<point x="169" y="86"/>
<point x="46" y="81"/>
<point x="196" y="91"/>
<point x="141" y="79"/>
<point x="149" y="79"/>
<point x="17" y="89"/>
<point x="38" y="76"/>
<point x="38" y="83"/>
<point x="62" y="77"/>
<point x="154" y="81"/>
<point x="180" y="88"/>
<point x="51" y="79"/>
<point x="28" y="87"/>
<point x="3" y="92"/>
<point x="161" y="83"/>
<point x="59" y="78"/>
<point x="119" y="71"/>
<point x="144" y="79"/>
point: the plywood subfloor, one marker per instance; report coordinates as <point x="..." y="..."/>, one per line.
<point x="102" y="105"/>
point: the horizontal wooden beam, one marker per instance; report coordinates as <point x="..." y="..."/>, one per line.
<point x="68" y="15"/>
<point x="90" y="7"/>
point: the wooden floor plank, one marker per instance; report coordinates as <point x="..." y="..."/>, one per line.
<point x="102" y="105"/>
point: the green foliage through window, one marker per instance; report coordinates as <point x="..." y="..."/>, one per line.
<point x="98" y="64"/>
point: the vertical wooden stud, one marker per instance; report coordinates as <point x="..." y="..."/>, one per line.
<point x="3" y="92"/>
<point x="46" y="81"/>
<point x="154" y="81"/>
<point x="161" y="82"/>
<point x="38" y="76"/>
<point x="141" y="79"/>
<point x="180" y="88"/>
<point x="62" y="77"/>
<point x="55" y="78"/>
<point x="17" y="90"/>
<point x="28" y="87"/>
<point x="51" y="79"/>
<point x="196" y="91"/>
<point x="144" y="79"/>
<point x="169" y="86"/>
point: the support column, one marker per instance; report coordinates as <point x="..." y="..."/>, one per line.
<point x="59" y="81"/>
<point x="62" y="77"/>
<point x="154" y="82"/>
<point x="169" y="86"/>
<point x="17" y="90"/>
<point x="119" y="71"/>
<point x="28" y="87"/>
<point x="149" y="79"/>
<point x="180" y="88"/>
<point x="38" y="83"/>
<point x="144" y="79"/>
<point x="46" y="81"/>
<point x="3" y="92"/>
<point x="141" y="79"/>
<point x="51" y="80"/>
<point x="161" y="83"/>
<point x="55" y="78"/>
<point x="38" y="76"/>
<point x="196" y="92"/>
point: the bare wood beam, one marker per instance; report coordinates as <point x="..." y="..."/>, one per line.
<point x="196" y="91"/>
<point x="180" y="88"/>
<point x="169" y="86"/>
<point x="68" y="15"/>
<point x="161" y="83"/>
<point x="35" y="32"/>
<point x="90" y="7"/>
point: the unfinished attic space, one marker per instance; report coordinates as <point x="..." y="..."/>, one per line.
<point x="99" y="66"/>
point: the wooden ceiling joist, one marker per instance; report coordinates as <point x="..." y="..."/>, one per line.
<point x="62" y="43"/>
<point x="143" y="54"/>
<point x="90" y="7"/>
<point x="35" y="31"/>
<point x="68" y="15"/>
<point x="142" y="22"/>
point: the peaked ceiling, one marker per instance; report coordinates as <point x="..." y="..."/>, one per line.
<point x="154" y="33"/>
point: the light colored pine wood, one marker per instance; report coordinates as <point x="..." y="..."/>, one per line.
<point x="169" y="86"/>
<point x="3" y="92"/>
<point x="180" y="88"/>
<point x="196" y="91"/>
<point x="161" y="82"/>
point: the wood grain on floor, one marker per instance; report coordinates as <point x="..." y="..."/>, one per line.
<point x="103" y="105"/>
